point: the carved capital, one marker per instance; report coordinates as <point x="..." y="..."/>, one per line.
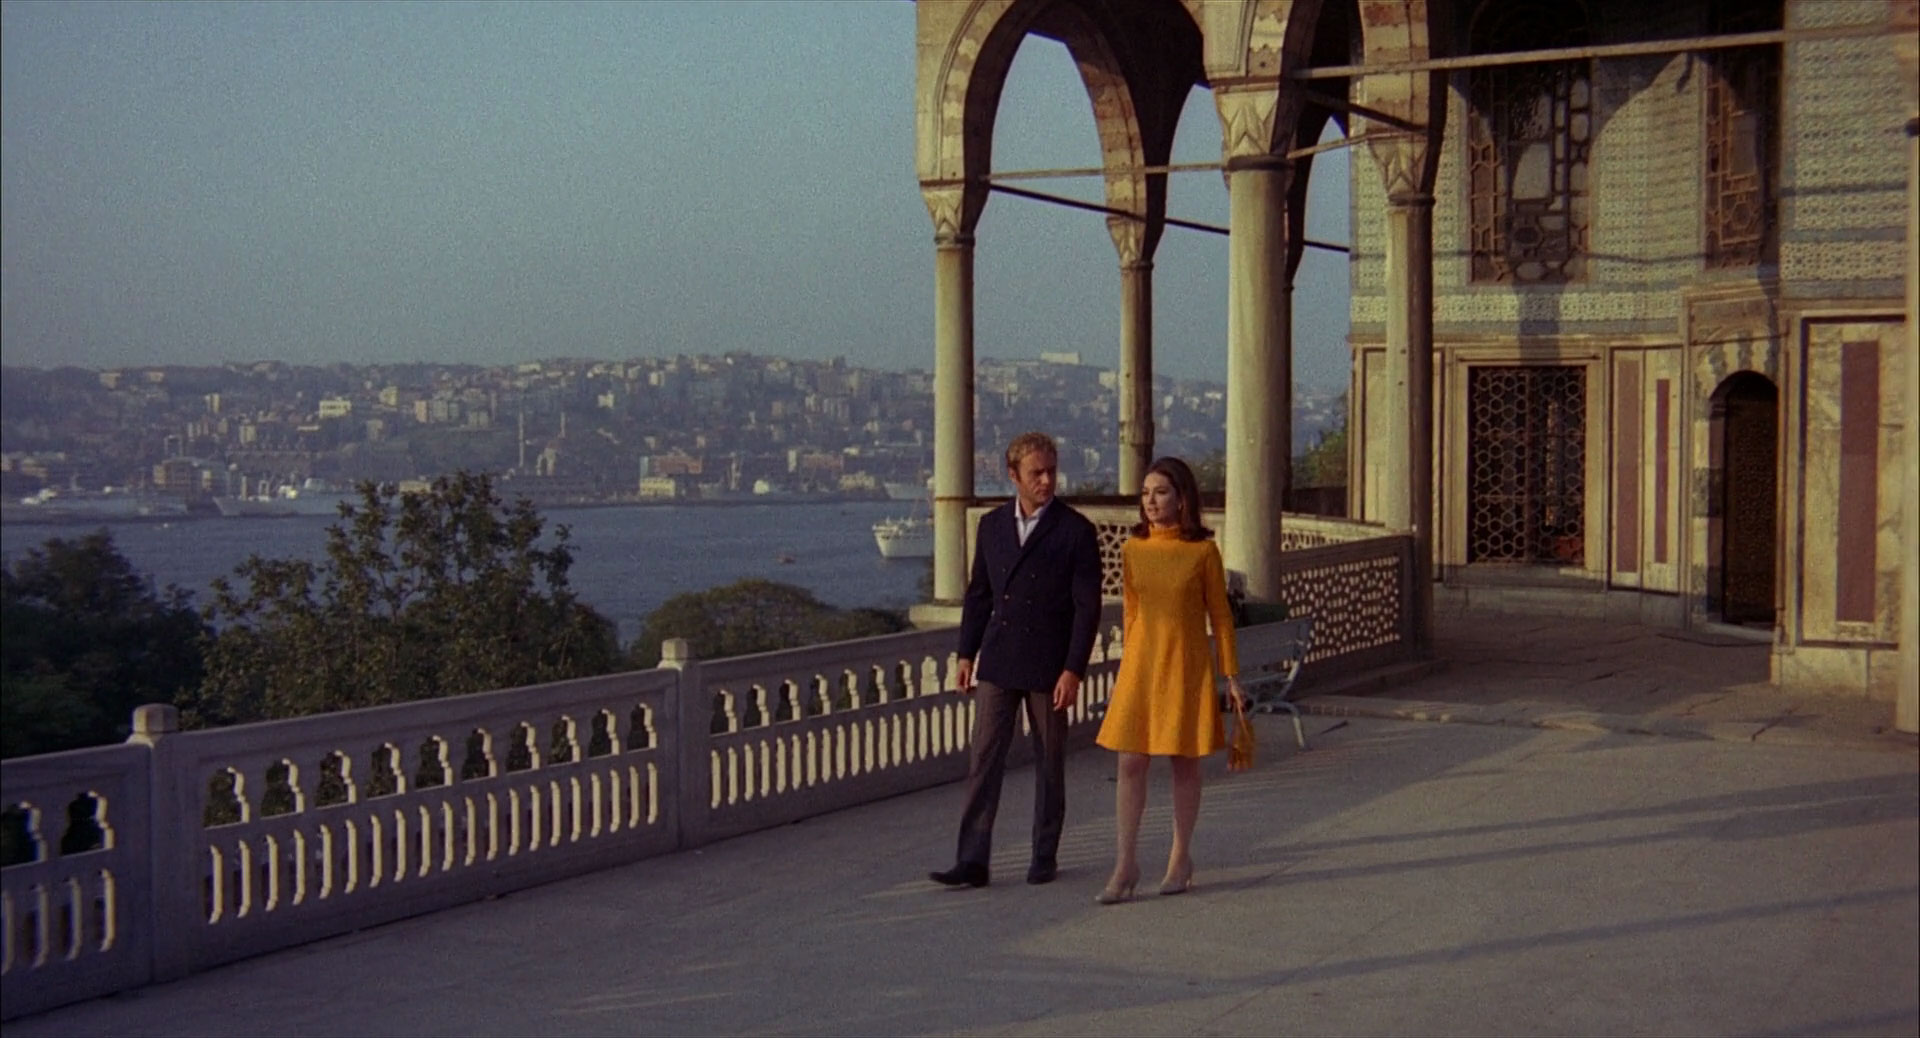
<point x="1402" y="159"/>
<point x="955" y="209"/>
<point x="1256" y="119"/>
<point x="1129" y="238"/>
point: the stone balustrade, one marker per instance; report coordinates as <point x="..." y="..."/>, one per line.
<point x="1115" y="523"/>
<point x="181" y="850"/>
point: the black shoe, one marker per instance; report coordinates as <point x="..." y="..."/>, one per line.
<point x="1042" y="871"/>
<point x="965" y="874"/>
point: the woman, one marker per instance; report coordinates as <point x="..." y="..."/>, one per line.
<point x="1163" y="704"/>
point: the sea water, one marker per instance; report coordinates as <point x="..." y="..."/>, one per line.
<point x="627" y="560"/>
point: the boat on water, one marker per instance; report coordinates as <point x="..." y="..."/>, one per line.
<point x="254" y="507"/>
<point x="906" y="538"/>
<point x="908" y="491"/>
<point x="313" y="497"/>
<point x="114" y="504"/>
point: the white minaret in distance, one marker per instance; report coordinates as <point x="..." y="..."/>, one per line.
<point x="523" y="439"/>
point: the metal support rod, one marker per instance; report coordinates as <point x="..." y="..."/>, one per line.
<point x="1333" y="145"/>
<point x="1341" y="104"/>
<point x="1097" y="171"/>
<point x="1092" y="207"/>
<point x="1605" y="50"/>
<point x="994" y="179"/>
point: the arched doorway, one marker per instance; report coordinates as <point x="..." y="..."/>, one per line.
<point x="1746" y="437"/>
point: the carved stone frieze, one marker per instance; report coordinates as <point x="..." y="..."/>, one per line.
<point x="1732" y="319"/>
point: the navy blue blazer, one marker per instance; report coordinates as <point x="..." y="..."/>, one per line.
<point x="1032" y="611"/>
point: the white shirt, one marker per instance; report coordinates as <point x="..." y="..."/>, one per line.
<point x="1024" y="524"/>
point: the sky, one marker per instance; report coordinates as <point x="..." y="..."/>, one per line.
<point x="189" y="183"/>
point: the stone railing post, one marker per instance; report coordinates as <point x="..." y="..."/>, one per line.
<point x="692" y="753"/>
<point x="173" y="906"/>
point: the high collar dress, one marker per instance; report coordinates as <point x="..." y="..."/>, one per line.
<point x="1163" y="700"/>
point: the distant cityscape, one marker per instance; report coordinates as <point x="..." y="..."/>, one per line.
<point x="267" y="437"/>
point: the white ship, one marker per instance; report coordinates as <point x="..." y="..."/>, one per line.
<point x="314" y="497"/>
<point x="908" y="491"/>
<point x="112" y="504"/>
<point x="254" y="507"/>
<point x="910" y="538"/>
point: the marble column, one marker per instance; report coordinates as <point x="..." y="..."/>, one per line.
<point x="1905" y="19"/>
<point x="1136" y="373"/>
<point x="1406" y="458"/>
<point x="1409" y="450"/>
<point x="1259" y="370"/>
<point x="952" y="413"/>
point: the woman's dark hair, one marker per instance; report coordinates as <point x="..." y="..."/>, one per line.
<point x="1186" y="489"/>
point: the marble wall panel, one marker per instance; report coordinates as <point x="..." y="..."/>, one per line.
<point x="1848" y="521"/>
<point x="1646" y="462"/>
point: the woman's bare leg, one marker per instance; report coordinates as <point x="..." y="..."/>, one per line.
<point x="1129" y="800"/>
<point x="1186" y="811"/>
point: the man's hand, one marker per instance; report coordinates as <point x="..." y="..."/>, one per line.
<point x="1066" y="690"/>
<point x="963" y="677"/>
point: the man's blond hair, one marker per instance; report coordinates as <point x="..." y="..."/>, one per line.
<point x="1027" y="443"/>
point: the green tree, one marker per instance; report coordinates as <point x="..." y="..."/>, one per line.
<point x="751" y="616"/>
<point x="1325" y="463"/>
<point x="421" y="595"/>
<point x="88" y="639"/>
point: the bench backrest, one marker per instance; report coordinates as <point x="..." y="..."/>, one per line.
<point x="1263" y="645"/>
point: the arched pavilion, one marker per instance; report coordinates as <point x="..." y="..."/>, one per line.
<point x="1631" y="286"/>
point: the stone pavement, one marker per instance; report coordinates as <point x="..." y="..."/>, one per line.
<point x="1396" y="878"/>
<point x="1588" y="676"/>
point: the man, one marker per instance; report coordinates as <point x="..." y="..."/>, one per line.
<point x="1032" y="611"/>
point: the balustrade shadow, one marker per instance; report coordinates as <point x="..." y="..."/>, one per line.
<point x="830" y="927"/>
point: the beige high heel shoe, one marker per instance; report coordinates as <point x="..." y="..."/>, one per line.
<point x="1118" y="890"/>
<point x="1177" y="884"/>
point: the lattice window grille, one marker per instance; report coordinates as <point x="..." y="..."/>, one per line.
<point x="1113" y="537"/>
<point x="1529" y="146"/>
<point x="1527" y="464"/>
<point x="1529" y="141"/>
<point x="1741" y="93"/>
<point x="1355" y="604"/>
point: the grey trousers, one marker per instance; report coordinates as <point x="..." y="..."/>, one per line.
<point x="995" y="709"/>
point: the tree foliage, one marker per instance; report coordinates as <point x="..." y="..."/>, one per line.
<point x="421" y="595"/>
<point x="88" y="639"/>
<point x="751" y="616"/>
<point x="1322" y="465"/>
<point x="1325" y="463"/>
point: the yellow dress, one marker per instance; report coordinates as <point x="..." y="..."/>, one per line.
<point x="1163" y="701"/>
